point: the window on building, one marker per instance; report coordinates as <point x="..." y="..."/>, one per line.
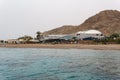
<point x="97" y="34"/>
<point x="101" y="35"/>
<point x="78" y="34"/>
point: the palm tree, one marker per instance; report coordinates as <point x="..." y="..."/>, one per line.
<point x="38" y="35"/>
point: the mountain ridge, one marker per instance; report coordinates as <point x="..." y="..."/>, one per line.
<point x="107" y="21"/>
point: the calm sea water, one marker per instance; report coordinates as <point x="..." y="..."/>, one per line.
<point x="59" y="64"/>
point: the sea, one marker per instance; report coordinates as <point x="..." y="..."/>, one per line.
<point x="59" y="64"/>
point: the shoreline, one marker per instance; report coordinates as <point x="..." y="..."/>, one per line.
<point x="65" y="46"/>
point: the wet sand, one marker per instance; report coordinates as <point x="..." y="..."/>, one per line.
<point x="65" y="46"/>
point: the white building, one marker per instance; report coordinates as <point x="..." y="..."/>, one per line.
<point x="89" y="34"/>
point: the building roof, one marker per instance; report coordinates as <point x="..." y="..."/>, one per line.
<point x="89" y="32"/>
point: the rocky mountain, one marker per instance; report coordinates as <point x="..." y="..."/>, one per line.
<point x="107" y="21"/>
<point x="66" y="29"/>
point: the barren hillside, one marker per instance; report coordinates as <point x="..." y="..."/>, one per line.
<point x="107" y="21"/>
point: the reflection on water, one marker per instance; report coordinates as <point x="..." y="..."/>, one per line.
<point x="59" y="64"/>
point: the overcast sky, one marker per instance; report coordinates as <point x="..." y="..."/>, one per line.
<point x="26" y="17"/>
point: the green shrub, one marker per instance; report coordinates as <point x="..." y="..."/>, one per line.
<point x="118" y="40"/>
<point x="104" y="41"/>
<point x="115" y="35"/>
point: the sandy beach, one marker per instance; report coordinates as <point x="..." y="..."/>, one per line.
<point x="65" y="46"/>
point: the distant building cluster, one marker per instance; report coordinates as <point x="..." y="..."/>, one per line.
<point x="81" y="35"/>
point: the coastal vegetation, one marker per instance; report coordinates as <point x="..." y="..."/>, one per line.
<point x="25" y="39"/>
<point x="112" y="39"/>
